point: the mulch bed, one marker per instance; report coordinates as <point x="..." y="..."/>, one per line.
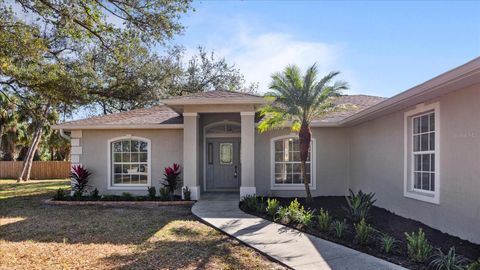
<point x="383" y="221"/>
<point x="120" y="203"/>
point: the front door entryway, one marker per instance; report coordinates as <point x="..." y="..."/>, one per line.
<point x="222" y="164"/>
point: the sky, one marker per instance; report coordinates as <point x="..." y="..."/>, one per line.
<point x="380" y="47"/>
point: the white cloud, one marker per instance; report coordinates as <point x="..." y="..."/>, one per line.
<point x="258" y="56"/>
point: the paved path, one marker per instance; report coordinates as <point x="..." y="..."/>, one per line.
<point x="291" y="247"/>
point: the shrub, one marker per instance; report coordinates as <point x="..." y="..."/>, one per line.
<point x="448" y="261"/>
<point x="283" y="215"/>
<point x="307" y="218"/>
<point x="359" y="205"/>
<point x="324" y="220"/>
<point x="171" y="178"/>
<point x="152" y="192"/>
<point x="165" y="194"/>
<point x="417" y="246"/>
<point x="60" y="195"/>
<point x="127" y="196"/>
<point x="272" y="206"/>
<point x="260" y="207"/>
<point x="339" y="227"/>
<point x="386" y="243"/>
<point x="95" y="194"/>
<point x="295" y="211"/>
<point x="363" y="231"/>
<point x="186" y="193"/>
<point x="250" y="202"/>
<point x="79" y="177"/>
<point x="474" y="265"/>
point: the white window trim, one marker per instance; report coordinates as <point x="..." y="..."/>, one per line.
<point x="408" y="190"/>
<point x="313" y="166"/>
<point x="110" y="185"/>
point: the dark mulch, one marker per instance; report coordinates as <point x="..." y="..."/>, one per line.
<point x="117" y="198"/>
<point x="384" y="222"/>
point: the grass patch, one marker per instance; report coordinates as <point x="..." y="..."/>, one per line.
<point x="33" y="235"/>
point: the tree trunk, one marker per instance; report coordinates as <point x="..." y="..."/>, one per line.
<point x="305" y="137"/>
<point x="27" y="163"/>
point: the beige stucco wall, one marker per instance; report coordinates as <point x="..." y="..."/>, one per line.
<point x="166" y="148"/>
<point x="377" y="165"/>
<point x="332" y="157"/>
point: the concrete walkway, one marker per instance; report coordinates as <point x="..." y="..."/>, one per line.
<point x="291" y="247"/>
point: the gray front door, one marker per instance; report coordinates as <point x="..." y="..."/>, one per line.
<point x="223" y="163"/>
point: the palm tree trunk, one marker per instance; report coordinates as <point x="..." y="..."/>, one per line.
<point x="27" y="163"/>
<point x="305" y="137"/>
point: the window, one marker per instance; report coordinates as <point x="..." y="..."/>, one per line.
<point x="286" y="163"/>
<point x="422" y="153"/>
<point x="130" y="159"/>
<point x="226" y="153"/>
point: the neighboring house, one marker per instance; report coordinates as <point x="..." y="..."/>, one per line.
<point x="419" y="151"/>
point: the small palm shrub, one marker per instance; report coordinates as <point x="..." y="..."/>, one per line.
<point x="359" y="205"/>
<point x="186" y="193"/>
<point x="339" y="227"/>
<point x="79" y="177"/>
<point x="272" y="206"/>
<point x="250" y="202"/>
<point x="260" y="207"/>
<point x="418" y="247"/>
<point x="59" y="195"/>
<point x="171" y="177"/>
<point x="307" y="218"/>
<point x="296" y="210"/>
<point x="324" y="220"/>
<point x="363" y="231"/>
<point x="386" y="243"/>
<point x="283" y="215"/>
<point x="165" y="194"/>
<point x="127" y="196"/>
<point x="448" y="261"/>
<point x="474" y="265"/>
<point x="152" y="192"/>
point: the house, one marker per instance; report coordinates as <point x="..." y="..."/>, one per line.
<point x="419" y="151"/>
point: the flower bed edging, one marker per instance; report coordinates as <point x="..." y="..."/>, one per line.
<point x="121" y="203"/>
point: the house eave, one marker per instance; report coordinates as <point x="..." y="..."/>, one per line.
<point x="92" y="127"/>
<point x="214" y="101"/>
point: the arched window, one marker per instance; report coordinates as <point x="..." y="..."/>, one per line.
<point x="130" y="162"/>
<point x="286" y="170"/>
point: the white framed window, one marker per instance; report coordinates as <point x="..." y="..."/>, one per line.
<point x="422" y="153"/>
<point x="286" y="166"/>
<point x="129" y="163"/>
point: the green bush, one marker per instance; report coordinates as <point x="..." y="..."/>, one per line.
<point x="127" y="196"/>
<point x="165" y="194"/>
<point x="448" y="261"/>
<point x="250" y="202"/>
<point x="359" y="205"/>
<point x="417" y="246"/>
<point x="272" y="206"/>
<point x="339" y="227"/>
<point x="152" y="192"/>
<point x="324" y="220"/>
<point x="363" y="231"/>
<point x="95" y="194"/>
<point x="386" y="243"/>
<point x="283" y="215"/>
<point x="260" y="207"/>
<point x="307" y="218"/>
<point x="60" y="195"/>
<point x="296" y="210"/>
<point x="186" y="193"/>
<point x="474" y="265"/>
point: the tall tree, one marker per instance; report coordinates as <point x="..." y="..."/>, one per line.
<point x="41" y="53"/>
<point x="297" y="100"/>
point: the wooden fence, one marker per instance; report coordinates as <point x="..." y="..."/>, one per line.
<point x="40" y="169"/>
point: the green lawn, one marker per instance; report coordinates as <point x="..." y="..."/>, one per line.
<point x="37" y="236"/>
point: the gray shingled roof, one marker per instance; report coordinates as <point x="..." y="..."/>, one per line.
<point x="217" y="94"/>
<point x="161" y="115"/>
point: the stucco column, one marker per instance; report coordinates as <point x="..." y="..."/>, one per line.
<point x="247" y="151"/>
<point x="190" y="154"/>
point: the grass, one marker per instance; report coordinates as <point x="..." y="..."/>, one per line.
<point x="37" y="236"/>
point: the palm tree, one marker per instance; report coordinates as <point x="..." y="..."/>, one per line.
<point x="296" y="102"/>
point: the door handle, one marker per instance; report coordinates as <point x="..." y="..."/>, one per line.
<point x="235" y="173"/>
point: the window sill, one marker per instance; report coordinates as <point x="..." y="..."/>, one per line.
<point x="129" y="187"/>
<point x="290" y="187"/>
<point x="425" y="197"/>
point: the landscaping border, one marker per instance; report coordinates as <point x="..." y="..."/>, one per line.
<point x="120" y="203"/>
